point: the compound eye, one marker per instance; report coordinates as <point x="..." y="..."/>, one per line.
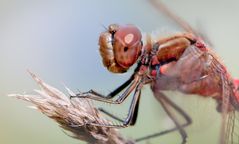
<point x="127" y="45"/>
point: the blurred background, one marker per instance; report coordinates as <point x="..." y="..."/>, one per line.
<point x="58" y="40"/>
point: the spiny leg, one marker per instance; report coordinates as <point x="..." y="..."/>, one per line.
<point x="130" y="83"/>
<point x="110" y="95"/>
<point x="166" y="103"/>
<point x="173" y="105"/>
<point x="132" y="114"/>
<point x="114" y="92"/>
<point x="99" y="97"/>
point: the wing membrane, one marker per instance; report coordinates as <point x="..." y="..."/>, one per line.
<point x="200" y="72"/>
<point x="230" y="117"/>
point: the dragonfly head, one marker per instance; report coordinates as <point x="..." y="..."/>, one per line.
<point x="120" y="47"/>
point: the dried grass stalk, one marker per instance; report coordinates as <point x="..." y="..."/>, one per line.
<point x="72" y="115"/>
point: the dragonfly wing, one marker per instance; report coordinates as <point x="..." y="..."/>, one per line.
<point x="200" y="72"/>
<point x="231" y="129"/>
<point x="226" y="104"/>
<point x="191" y="67"/>
<point x="230" y="117"/>
<point x="218" y="75"/>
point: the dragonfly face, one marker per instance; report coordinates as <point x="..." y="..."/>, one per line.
<point x="120" y="47"/>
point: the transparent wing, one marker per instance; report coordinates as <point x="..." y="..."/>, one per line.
<point x="232" y="129"/>
<point x="227" y="110"/>
<point x="194" y="69"/>
<point x="228" y="104"/>
<point x="199" y="72"/>
<point x="230" y="116"/>
<point x="207" y="69"/>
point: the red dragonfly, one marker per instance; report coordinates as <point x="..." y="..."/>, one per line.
<point x="182" y="62"/>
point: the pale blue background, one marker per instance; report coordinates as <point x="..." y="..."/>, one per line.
<point x="58" y="40"/>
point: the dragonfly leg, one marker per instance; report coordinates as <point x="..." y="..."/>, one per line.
<point x="131" y="83"/>
<point x="134" y="78"/>
<point x="167" y="103"/>
<point x="132" y="114"/>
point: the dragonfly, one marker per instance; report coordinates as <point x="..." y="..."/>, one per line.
<point x="181" y="62"/>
